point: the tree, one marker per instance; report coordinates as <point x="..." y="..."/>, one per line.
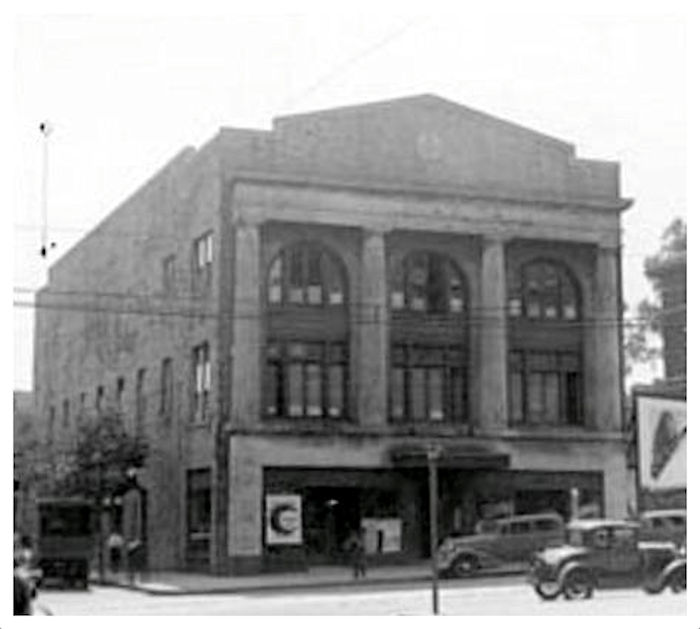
<point x="642" y="332"/>
<point x="104" y="452"/>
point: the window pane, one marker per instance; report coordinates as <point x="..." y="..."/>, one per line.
<point x="457" y="410"/>
<point x="336" y="390"/>
<point x="418" y="410"/>
<point x="573" y="398"/>
<point x="515" y="307"/>
<point x="296" y="276"/>
<point x="210" y="248"/>
<point x="456" y="291"/>
<point x="436" y="410"/>
<point x="534" y="397"/>
<point x="296" y="390"/>
<point x="397" y="300"/>
<point x="273" y="374"/>
<point x="313" y="390"/>
<point x="516" y="397"/>
<point x="274" y="285"/>
<point x="551" y="397"/>
<point x="397" y="393"/>
<point x="417" y="280"/>
<point x="436" y="285"/>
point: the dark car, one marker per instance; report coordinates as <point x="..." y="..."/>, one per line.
<point x="606" y="553"/>
<point x="509" y="540"/>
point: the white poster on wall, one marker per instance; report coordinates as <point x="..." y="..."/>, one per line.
<point x="661" y="442"/>
<point x="283" y="524"/>
<point x="382" y="535"/>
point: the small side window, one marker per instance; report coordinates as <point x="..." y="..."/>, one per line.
<point x="520" y="528"/>
<point x="546" y="525"/>
<point x="678" y="521"/>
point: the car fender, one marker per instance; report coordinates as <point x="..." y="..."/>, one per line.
<point x="570" y="567"/>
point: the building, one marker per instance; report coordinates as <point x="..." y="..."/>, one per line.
<point x="24" y="431"/>
<point x="292" y="316"/>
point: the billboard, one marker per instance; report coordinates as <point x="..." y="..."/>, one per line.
<point x="283" y="519"/>
<point x="661" y="442"/>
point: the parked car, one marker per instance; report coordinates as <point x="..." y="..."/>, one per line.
<point x="667" y="525"/>
<point x="606" y="553"/>
<point x="497" y="542"/>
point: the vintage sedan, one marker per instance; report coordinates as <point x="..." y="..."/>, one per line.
<point x="606" y="553"/>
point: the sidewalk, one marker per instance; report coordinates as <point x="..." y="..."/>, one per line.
<point x="181" y="583"/>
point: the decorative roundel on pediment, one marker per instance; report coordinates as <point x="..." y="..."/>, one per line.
<point x="429" y="145"/>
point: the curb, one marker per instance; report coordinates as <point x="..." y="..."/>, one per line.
<point x="270" y="587"/>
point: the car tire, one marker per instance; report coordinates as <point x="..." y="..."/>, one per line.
<point x="465" y="566"/>
<point x="578" y="585"/>
<point x="676" y="581"/>
<point x="548" y="591"/>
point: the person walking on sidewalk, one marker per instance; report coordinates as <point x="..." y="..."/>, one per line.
<point x="358" y="553"/>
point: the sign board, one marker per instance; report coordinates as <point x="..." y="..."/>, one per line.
<point x="661" y="442"/>
<point x="283" y="523"/>
<point x="382" y="535"/>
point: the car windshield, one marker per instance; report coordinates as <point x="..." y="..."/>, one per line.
<point x="575" y="537"/>
<point x="486" y="527"/>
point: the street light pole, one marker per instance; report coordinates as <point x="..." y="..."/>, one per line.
<point x="433" y="454"/>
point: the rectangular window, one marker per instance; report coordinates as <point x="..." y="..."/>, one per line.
<point x="296" y="389"/>
<point x="66" y="413"/>
<point x="202" y="382"/>
<point x="140" y="400"/>
<point x="535" y="397"/>
<point x="397" y="393"/>
<point x="166" y="388"/>
<point x="313" y="390"/>
<point x="296" y="276"/>
<point x="203" y="258"/>
<point x="457" y="393"/>
<point x="336" y="390"/>
<point x="83" y="402"/>
<point x="516" y="397"/>
<point x="119" y="397"/>
<point x="435" y="391"/>
<point x="551" y="397"/>
<point x="52" y="424"/>
<point x="169" y="275"/>
<point x="99" y="399"/>
<point x="418" y="407"/>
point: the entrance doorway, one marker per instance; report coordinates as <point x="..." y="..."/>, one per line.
<point x="330" y="515"/>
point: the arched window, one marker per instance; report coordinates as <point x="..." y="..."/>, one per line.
<point x="544" y="291"/>
<point x="430" y="283"/>
<point x="306" y="275"/>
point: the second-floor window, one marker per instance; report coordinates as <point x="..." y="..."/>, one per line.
<point x="166" y="388"/>
<point x="306" y="379"/>
<point x="428" y="383"/>
<point x="545" y="387"/>
<point x="544" y="291"/>
<point x="119" y="397"/>
<point x="140" y="400"/>
<point x="99" y="399"/>
<point x="202" y="261"/>
<point x="66" y="414"/>
<point x="202" y="382"/>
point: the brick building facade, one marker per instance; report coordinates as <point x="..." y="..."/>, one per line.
<point x="302" y="311"/>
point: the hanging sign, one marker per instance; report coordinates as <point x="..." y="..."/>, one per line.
<point x="283" y="519"/>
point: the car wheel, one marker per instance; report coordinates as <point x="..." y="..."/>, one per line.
<point x="465" y="566"/>
<point x="677" y="581"/>
<point x="578" y="585"/>
<point x="548" y="590"/>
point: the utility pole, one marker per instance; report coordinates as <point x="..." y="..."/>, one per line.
<point x="45" y="129"/>
<point x="433" y="454"/>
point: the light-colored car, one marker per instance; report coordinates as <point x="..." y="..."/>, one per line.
<point x="498" y="542"/>
<point x="664" y="525"/>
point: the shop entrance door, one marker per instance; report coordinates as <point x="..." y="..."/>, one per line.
<point x="330" y="515"/>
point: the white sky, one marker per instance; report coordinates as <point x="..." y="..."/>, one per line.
<point x="125" y="94"/>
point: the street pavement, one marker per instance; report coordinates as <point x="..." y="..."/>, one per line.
<point x="503" y="596"/>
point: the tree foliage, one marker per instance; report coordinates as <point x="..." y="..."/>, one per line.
<point x="103" y="454"/>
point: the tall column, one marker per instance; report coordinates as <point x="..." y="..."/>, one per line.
<point x="494" y="340"/>
<point x="247" y="318"/>
<point x="373" y="332"/>
<point x="608" y="382"/>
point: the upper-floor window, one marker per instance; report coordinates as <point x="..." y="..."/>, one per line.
<point x="140" y="400"/>
<point x="203" y="260"/>
<point x="119" y="397"/>
<point x="306" y="379"/>
<point x="429" y="283"/>
<point x="66" y="413"/>
<point x="99" y="399"/>
<point x="306" y="275"/>
<point x="166" y="388"/>
<point x="202" y="382"/>
<point x="169" y="274"/>
<point x="544" y="291"/>
<point x="52" y="424"/>
<point x="428" y="383"/>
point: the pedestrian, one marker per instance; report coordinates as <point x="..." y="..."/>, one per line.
<point x="22" y="593"/>
<point x="115" y="544"/>
<point x="358" y="553"/>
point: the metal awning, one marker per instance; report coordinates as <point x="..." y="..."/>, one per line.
<point x="451" y="456"/>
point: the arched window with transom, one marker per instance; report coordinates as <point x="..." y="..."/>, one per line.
<point x="307" y="349"/>
<point x="545" y="361"/>
<point x="429" y="283"/>
<point x="306" y="275"/>
<point x="429" y="357"/>
<point x="544" y="290"/>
